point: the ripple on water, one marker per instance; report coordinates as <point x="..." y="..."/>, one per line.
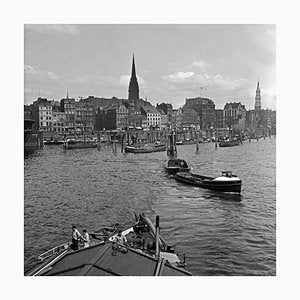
<point x="220" y="234"/>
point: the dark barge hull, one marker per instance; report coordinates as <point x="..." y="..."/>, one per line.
<point x="206" y="182"/>
<point x="80" y="146"/>
<point x="141" y="150"/>
<point x="173" y="171"/>
<point x="229" y="143"/>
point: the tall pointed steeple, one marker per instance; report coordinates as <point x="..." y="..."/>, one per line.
<point x="133" y="67"/>
<point x="67" y="93"/>
<point x="133" y="90"/>
<point x="257" y="104"/>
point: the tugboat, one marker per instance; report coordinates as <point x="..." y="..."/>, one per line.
<point x="175" y="165"/>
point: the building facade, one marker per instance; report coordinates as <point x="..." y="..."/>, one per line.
<point x="152" y="115"/>
<point x="219" y="119"/>
<point x="116" y="118"/>
<point x="58" y="120"/>
<point x="84" y="116"/>
<point x="42" y="114"/>
<point x="68" y="106"/>
<point x="205" y="108"/>
<point x="234" y="116"/>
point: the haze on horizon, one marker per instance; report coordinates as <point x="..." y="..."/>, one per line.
<point x="173" y="62"/>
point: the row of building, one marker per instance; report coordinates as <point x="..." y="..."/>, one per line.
<point x="93" y="113"/>
<point x="110" y="114"/>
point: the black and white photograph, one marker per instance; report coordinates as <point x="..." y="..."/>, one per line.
<point x="146" y="139"/>
<point x="150" y="150"/>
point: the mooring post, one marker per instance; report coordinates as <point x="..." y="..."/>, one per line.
<point x="157" y="237"/>
<point x="99" y="140"/>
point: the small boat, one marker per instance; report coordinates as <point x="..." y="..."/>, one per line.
<point x="144" y="254"/>
<point x="53" y="142"/>
<point x="175" y="165"/>
<point x="146" y="148"/>
<point x="80" y="145"/>
<point x="229" y="143"/>
<point x="225" y="183"/>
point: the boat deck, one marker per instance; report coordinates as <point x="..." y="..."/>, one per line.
<point x="102" y="260"/>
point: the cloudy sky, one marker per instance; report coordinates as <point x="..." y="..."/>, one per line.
<point x="173" y="62"/>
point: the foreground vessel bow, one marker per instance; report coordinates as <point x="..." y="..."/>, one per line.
<point x="146" y="254"/>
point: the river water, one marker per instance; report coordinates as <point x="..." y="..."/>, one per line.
<point x="219" y="234"/>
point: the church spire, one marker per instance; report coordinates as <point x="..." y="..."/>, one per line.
<point x="133" y="67"/>
<point x="133" y="90"/>
<point x="257" y="104"/>
<point x="67" y="93"/>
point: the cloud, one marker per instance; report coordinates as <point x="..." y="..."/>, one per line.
<point x="31" y="71"/>
<point x="201" y="64"/>
<point x="52" y="75"/>
<point x="54" y="28"/>
<point x="178" y="76"/>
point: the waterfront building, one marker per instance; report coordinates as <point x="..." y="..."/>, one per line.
<point x="68" y="106"/>
<point x="205" y="108"/>
<point x="234" y="114"/>
<point x="168" y="110"/>
<point x="58" y="120"/>
<point x="100" y="119"/>
<point x="116" y="117"/>
<point x="152" y="115"/>
<point x="27" y="112"/>
<point x="133" y="89"/>
<point x="84" y="116"/>
<point x="178" y="118"/>
<point x="190" y="119"/>
<point x="42" y="114"/>
<point x="219" y="125"/>
<point x="164" y="118"/>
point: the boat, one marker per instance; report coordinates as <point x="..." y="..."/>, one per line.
<point x="175" y="165"/>
<point x="229" y="143"/>
<point x="80" y="145"/>
<point x="187" y="142"/>
<point x="224" y="183"/>
<point x="53" y="142"/>
<point x="145" y="254"/>
<point x="146" y="148"/>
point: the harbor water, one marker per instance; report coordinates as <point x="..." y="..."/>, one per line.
<point x="220" y="234"/>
